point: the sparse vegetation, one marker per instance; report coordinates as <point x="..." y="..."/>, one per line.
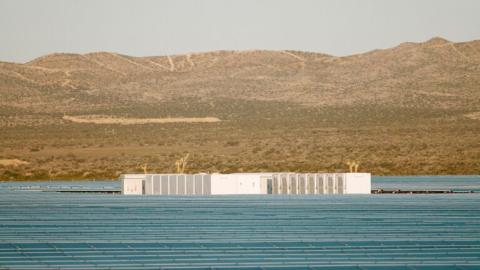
<point x="384" y="140"/>
<point x="396" y="111"/>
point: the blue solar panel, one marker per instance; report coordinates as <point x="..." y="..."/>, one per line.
<point x="42" y="230"/>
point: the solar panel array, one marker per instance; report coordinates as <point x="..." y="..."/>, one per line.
<point x="40" y="230"/>
<point x="444" y="182"/>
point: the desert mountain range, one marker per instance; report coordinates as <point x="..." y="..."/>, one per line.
<point x="436" y="73"/>
<point x="416" y="102"/>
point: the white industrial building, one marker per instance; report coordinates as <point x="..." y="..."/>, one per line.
<point x="246" y="183"/>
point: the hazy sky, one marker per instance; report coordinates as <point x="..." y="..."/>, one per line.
<point x="29" y="29"/>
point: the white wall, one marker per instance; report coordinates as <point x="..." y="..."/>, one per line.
<point x="249" y="183"/>
<point x="239" y="183"/>
<point x="132" y="184"/>
<point x="358" y="183"/>
<point x="223" y="184"/>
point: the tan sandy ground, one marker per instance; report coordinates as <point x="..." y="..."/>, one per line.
<point x="105" y="119"/>
<point x="12" y="162"/>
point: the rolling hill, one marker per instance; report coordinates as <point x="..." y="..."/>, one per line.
<point x="411" y="109"/>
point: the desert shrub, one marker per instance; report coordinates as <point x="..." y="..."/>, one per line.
<point x="232" y="143"/>
<point x="256" y="149"/>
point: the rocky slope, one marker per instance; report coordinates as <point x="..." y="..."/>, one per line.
<point x="435" y="73"/>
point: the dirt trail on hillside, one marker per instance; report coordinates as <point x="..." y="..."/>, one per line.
<point x="104" y="119"/>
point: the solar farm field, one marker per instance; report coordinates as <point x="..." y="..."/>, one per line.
<point x="48" y="230"/>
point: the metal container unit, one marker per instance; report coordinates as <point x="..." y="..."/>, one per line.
<point x="177" y="184"/>
<point x="307" y="183"/>
<point x="247" y="183"/>
<point x="133" y="184"/>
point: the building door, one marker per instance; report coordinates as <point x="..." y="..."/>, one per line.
<point x="269" y="186"/>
